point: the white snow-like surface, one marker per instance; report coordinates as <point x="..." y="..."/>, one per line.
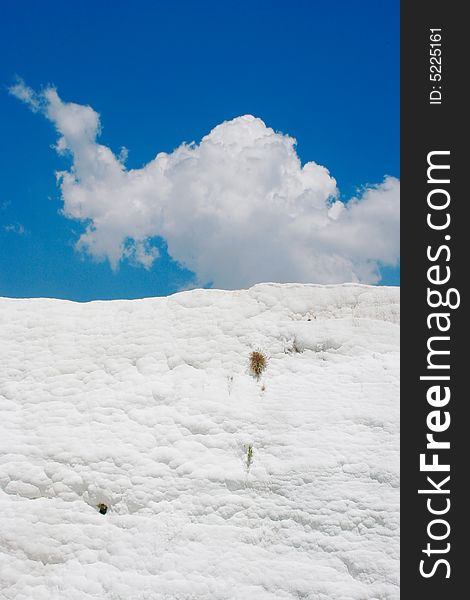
<point x="149" y="407"/>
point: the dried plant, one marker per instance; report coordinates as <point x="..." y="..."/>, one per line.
<point x="258" y="363"/>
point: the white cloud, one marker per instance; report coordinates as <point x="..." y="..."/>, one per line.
<point x="17" y="228"/>
<point x="235" y="209"/>
<point x="26" y="95"/>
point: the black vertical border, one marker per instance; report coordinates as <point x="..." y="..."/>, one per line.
<point x="424" y="128"/>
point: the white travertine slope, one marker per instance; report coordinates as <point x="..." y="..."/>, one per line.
<point x="148" y="406"/>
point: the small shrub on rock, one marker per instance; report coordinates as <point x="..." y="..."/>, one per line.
<point x="102" y="508"/>
<point x="258" y="363"/>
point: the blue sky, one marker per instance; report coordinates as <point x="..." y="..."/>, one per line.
<point x="161" y="73"/>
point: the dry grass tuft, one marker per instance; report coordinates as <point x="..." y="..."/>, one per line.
<point x="258" y="362"/>
<point x="249" y="456"/>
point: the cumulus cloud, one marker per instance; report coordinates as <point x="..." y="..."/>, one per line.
<point x="237" y="208"/>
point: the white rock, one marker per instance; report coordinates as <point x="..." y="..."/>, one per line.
<point x="149" y="407"/>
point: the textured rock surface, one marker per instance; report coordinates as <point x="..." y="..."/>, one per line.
<point x="148" y="406"/>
